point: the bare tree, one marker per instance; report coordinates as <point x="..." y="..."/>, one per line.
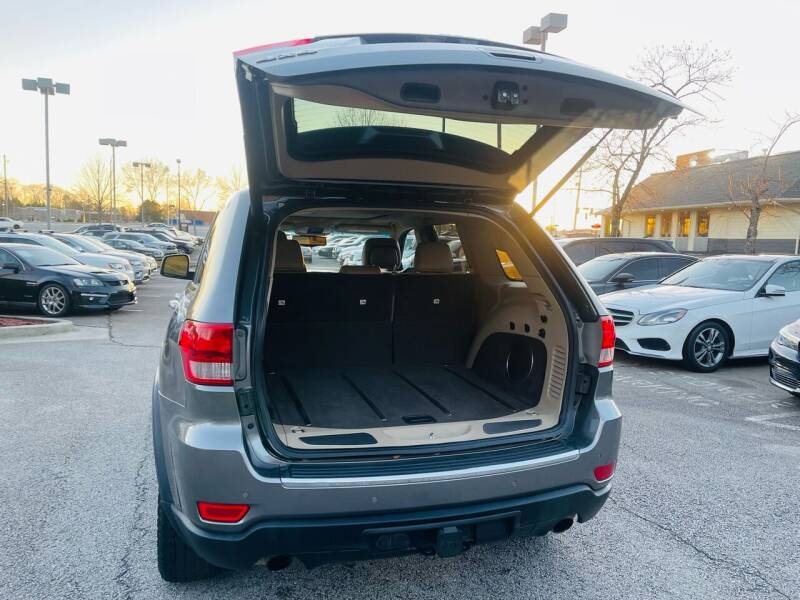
<point x="94" y="185"/>
<point x="146" y="182"/>
<point x="196" y="187"/>
<point x="228" y="185"/>
<point x="365" y="117"/>
<point x="694" y="74"/>
<point x="752" y="191"/>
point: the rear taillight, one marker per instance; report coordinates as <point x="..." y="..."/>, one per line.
<point x="222" y="513"/>
<point x="287" y="44"/>
<point x="607" y="344"/>
<point x="604" y="472"/>
<point x="207" y="350"/>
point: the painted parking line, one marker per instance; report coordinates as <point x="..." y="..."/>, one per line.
<point x="771" y="420"/>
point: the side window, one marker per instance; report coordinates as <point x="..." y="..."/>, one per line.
<point x="787" y="276"/>
<point x="6" y="258"/>
<point x="614" y="247"/>
<point x="449" y="233"/>
<point x="644" y="269"/>
<point x="508" y="266"/>
<point x="409" y="247"/>
<point x="203" y="258"/>
<point x="580" y="252"/>
<point x="672" y="264"/>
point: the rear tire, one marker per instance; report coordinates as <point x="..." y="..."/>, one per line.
<point x="177" y="562"/>
<point x="707" y="347"/>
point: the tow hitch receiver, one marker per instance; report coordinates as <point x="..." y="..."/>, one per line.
<point x="450" y="542"/>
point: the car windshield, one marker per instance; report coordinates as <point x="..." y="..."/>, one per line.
<point x="101" y="245"/>
<point x="733" y="274"/>
<point x="83" y="243"/>
<point x="146" y="237"/>
<point x="54" y="244"/>
<point x="598" y="269"/>
<point x="43" y="257"/>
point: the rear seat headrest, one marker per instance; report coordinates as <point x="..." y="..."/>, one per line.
<point x="381" y="252"/>
<point x="289" y="256"/>
<point x="433" y="257"/>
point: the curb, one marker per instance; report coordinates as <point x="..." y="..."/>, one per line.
<point x="21" y="331"/>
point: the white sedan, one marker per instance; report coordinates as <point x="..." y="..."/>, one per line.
<point x="718" y="308"/>
<point x="7" y="224"/>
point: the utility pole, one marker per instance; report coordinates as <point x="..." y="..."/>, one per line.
<point x="114" y="143"/>
<point x="577" y="201"/>
<point x="179" y="195"/>
<point x="5" y="187"/>
<point x="47" y="87"/>
<point x="142" y="166"/>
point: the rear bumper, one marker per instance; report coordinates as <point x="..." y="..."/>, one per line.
<point x="358" y="537"/>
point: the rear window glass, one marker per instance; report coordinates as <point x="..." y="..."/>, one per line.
<point x="507" y="137"/>
<point x="508" y="266"/>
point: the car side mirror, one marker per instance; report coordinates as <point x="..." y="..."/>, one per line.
<point x="10" y="267"/>
<point x="622" y="278"/>
<point x="177" y="267"/>
<point x="774" y="290"/>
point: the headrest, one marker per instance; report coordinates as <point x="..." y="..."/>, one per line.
<point x="433" y="257"/>
<point x="381" y="252"/>
<point x="360" y="269"/>
<point x="288" y="256"/>
<point x="282" y="235"/>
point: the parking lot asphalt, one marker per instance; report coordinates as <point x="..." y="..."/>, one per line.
<point x="704" y="505"/>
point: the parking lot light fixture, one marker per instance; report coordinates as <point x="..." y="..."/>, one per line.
<point x="142" y="166"/>
<point x="46" y="87"/>
<point x="114" y="143"/>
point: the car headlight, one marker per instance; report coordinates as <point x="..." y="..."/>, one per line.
<point x="787" y="339"/>
<point x="87" y="282"/>
<point x="116" y="266"/>
<point x="664" y="317"/>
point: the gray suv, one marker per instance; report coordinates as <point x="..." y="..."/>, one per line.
<point x="329" y="412"/>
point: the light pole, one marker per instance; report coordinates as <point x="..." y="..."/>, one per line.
<point x="537" y="34"/>
<point x="114" y="143"/>
<point x="142" y="166"/>
<point x="178" y="160"/>
<point x="5" y="186"/>
<point x="47" y="87"/>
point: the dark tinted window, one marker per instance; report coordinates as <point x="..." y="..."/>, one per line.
<point x="643" y="269"/>
<point x="580" y="252"/>
<point x="646" y="247"/>
<point x="6" y="258"/>
<point x="615" y="246"/>
<point x="670" y="265"/>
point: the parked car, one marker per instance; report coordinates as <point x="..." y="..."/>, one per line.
<point x="56" y="284"/>
<point x="615" y="272"/>
<point x="784" y="359"/>
<point x="581" y="250"/>
<point x="142" y="265"/>
<point x="332" y="416"/>
<point x="95" y="259"/>
<point x="176" y="233"/>
<point x="7" y="224"/>
<point x="94" y="227"/>
<point x="721" y="307"/>
<point x="133" y="246"/>
<point x="143" y="238"/>
<point x="183" y="246"/>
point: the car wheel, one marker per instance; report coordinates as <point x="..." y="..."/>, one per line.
<point x="707" y="347"/>
<point x="53" y="300"/>
<point x="177" y="562"/>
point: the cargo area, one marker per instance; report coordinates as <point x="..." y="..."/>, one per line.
<point x="455" y="346"/>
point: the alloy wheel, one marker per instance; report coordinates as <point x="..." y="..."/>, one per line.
<point x="53" y="300"/>
<point x="709" y="347"/>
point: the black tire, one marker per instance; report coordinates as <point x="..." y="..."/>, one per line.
<point x="53" y="300"/>
<point x="707" y="347"/>
<point x="177" y="562"/>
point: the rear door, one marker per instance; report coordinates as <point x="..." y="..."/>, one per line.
<point x="433" y="111"/>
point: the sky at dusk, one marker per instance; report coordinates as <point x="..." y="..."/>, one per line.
<point x="160" y="74"/>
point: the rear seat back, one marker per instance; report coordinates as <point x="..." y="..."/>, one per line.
<point x="341" y="319"/>
<point x="327" y="319"/>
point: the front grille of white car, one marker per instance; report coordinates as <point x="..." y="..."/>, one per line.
<point x="621" y="317"/>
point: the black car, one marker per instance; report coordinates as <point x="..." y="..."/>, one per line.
<point x="184" y="246"/>
<point x="784" y="359"/>
<point x="614" y="272"/>
<point x="581" y="250"/>
<point x="56" y="284"/>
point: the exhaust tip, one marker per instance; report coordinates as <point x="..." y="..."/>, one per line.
<point x="279" y="563"/>
<point x="562" y="525"/>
